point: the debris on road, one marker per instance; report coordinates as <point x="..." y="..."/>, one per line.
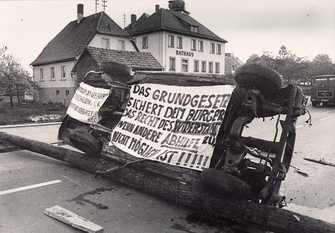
<point x="72" y="219"/>
<point x="320" y="161"/>
<point x="299" y="171"/>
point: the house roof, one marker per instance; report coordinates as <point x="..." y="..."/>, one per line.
<point x="135" y="60"/>
<point x="173" y="21"/>
<point x="73" y="39"/>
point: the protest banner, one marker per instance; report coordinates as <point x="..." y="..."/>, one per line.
<point x="176" y="125"/>
<point x="86" y="102"/>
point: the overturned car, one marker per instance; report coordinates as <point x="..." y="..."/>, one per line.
<point x="193" y="122"/>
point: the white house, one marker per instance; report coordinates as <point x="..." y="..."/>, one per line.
<point x="178" y="41"/>
<point x="52" y="68"/>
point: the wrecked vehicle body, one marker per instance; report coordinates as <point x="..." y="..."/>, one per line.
<point x="244" y="167"/>
<point x="79" y="132"/>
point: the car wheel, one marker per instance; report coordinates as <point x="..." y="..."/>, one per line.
<point x="263" y="78"/>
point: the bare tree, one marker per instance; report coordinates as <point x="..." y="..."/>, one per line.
<point x="14" y="80"/>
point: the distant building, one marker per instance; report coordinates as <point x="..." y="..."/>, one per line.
<point x="231" y="63"/>
<point x="92" y="59"/>
<point x="169" y="40"/>
<point x="179" y="42"/>
<point x="52" y="68"/>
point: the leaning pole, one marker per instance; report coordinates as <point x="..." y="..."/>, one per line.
<point x="179" y="186"/>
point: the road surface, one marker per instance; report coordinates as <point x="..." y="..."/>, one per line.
<point x="29" y="183"/>
<point x="312" y="195"/>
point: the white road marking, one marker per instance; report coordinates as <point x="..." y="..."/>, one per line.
<point x="24" y="188"/>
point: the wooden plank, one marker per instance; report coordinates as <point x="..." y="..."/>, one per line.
<point x="72" y="219"/>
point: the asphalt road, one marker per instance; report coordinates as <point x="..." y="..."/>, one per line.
<point x="116" y="208"/>
<point x="123" y="210"/>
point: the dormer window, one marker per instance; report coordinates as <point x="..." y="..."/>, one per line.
<point x="194" y="29"/>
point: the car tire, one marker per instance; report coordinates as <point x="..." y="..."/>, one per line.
<point x="263" y="78"/>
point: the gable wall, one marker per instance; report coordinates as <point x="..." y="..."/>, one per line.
<point x="114" y="42"/>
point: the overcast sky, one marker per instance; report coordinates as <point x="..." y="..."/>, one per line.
<point x="306" y="27"/>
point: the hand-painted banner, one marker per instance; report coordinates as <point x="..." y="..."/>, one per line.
<point x="86" y="103"/>
<point x="177" y="125"/>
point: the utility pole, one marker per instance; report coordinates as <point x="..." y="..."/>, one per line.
<point x="124" y="20"/>
<point x="96" y="5"/>
<point x="104" y="4"/>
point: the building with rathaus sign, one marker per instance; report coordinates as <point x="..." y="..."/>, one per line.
<point x="178" y="41"/>
<point x="168" y="40"/>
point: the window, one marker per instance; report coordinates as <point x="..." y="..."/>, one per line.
<point x="219" y="49"/>
<point x="212" y="51"/>
<point x="57" y="92"/>
<point x="203" y="66"/>
<point x="67" y="92"/>
<point x="210" y="67"/>
<point x="105" y="43"/>
<point x="63" y="73"/>
<point x="184" y="65"/>
<point x="172" y="64"/>
<point x="122" y="45"/>
<point x="233" y="68"/>
<point x="171" y="41"/>
<point x="193" y="45"/>
<point x="145" y="42"/>
<point x="201" y="46"/>
<point x="41" y="75"/>
<point x="179" y="42"/>
<point x="196" y="66"/>
<point x="194" y="29"/>
<point x="217" y="67"/>
<point x="52" y="73"/>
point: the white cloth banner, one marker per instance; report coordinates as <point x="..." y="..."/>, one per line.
<point x="86" y="103"/>
<point x="176" y="125"/>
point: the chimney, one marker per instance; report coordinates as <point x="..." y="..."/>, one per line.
<point x="80" y="12"/>
<point x="156" y="8"/>
<point x="133" y="18"/>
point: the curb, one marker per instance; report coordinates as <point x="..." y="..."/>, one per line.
<point x="29" y="125"/>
